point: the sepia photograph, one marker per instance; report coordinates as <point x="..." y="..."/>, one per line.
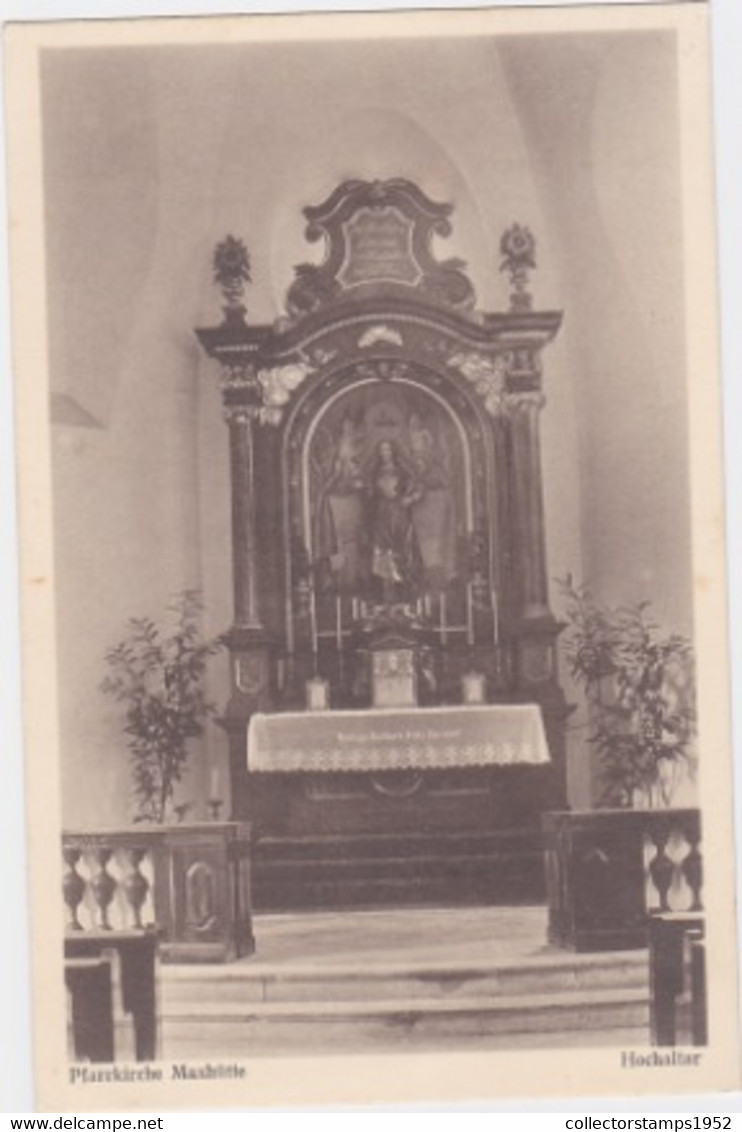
<point x="372" y="557"/>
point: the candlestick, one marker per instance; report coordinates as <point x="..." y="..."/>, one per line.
<point x="495" y="619"/>
<point x="443" y="617"/>
<point x="214" y="782"/>
<point x="355" y="608"/>
<point x="469" y="614"/>
<point x="339" y="622"/>
<point x="313" y="625"/>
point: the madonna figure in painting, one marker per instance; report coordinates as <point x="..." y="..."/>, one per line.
<point x="395" y="561"/>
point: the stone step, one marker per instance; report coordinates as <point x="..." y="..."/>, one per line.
<point x="371" y="870"/>
<point x="432" y="882"/>
<point x="187" y="1045"/>
<point x="239" y="1028"/>
<point x="397" y="846"/>
<point x="253" y="981"/>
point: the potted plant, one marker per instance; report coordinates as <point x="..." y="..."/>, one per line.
<point x="639" y="685"/>
<point x="157" y="674"/>
<point x="640" y="692"/>
<point x="198" y="879"/>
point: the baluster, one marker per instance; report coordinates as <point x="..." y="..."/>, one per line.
<point x="73" y="886"/>
<point x="662" y="866"/>
<point x="692" y="869"/>
<point x="103" y="886"/>
<point x="136" y="886"/>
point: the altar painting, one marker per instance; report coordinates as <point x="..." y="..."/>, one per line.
<point x="388" y="495"/>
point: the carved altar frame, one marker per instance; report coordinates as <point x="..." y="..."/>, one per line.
<point x="406" y="319"/>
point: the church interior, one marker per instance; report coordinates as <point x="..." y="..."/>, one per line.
<point x="375" y="468"/>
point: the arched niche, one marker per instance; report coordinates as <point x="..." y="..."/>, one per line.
<point x="357" y="434"/>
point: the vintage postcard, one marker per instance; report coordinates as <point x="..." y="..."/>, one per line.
<point x="372" y="558"/>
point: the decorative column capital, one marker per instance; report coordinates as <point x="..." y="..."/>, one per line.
<point x="241" y="414"/>
<point x="238" y="375"/>
<point x="529" y="403"/>
<point x="241" y="390"/>
<point x="261" y="393"/>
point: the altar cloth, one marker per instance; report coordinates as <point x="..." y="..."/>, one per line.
<point x="403" y="739"/>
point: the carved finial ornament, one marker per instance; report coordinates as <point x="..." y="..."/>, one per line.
<point x="518" y="251"/>
<point x="232" y="270"/>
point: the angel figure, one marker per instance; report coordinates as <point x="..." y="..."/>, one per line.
<point x="396" y="566"/>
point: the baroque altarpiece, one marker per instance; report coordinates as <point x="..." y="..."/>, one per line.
<point x="390" y="579"/>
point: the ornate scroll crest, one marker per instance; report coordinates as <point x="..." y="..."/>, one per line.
<point x="378" y="237"/>
<point x="487" y="374"/>
<point x="518" y="251"/>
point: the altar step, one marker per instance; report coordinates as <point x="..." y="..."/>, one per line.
<point x="291" y="874"/>
<point x="420" y="1001"/>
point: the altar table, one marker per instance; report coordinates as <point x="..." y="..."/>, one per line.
<point x="390" y="739"/>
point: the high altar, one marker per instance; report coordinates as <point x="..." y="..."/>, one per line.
<point x="395" y="722"/>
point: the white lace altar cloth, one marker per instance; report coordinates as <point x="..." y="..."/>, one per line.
<point x="406" y="739"/>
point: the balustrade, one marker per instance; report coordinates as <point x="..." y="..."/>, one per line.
<point x="190" y="881"/>
<point x="672" y="860"/>
<point x="608" y="870"/>
<point x="108" y="882"/>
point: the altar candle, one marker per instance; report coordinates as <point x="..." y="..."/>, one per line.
<point x="427" y="605"/>
<point x="443" y="617"/>
<point x="318" y="698"/>
<point x="339" y="622"/>
<point x="313" y="623"/>
<point x="472" y="684"/>
<point x="214" y="783"/>
<point x="495" y="619"/>
<point x="469" y="613"/>
<point x="355" y="609"/>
